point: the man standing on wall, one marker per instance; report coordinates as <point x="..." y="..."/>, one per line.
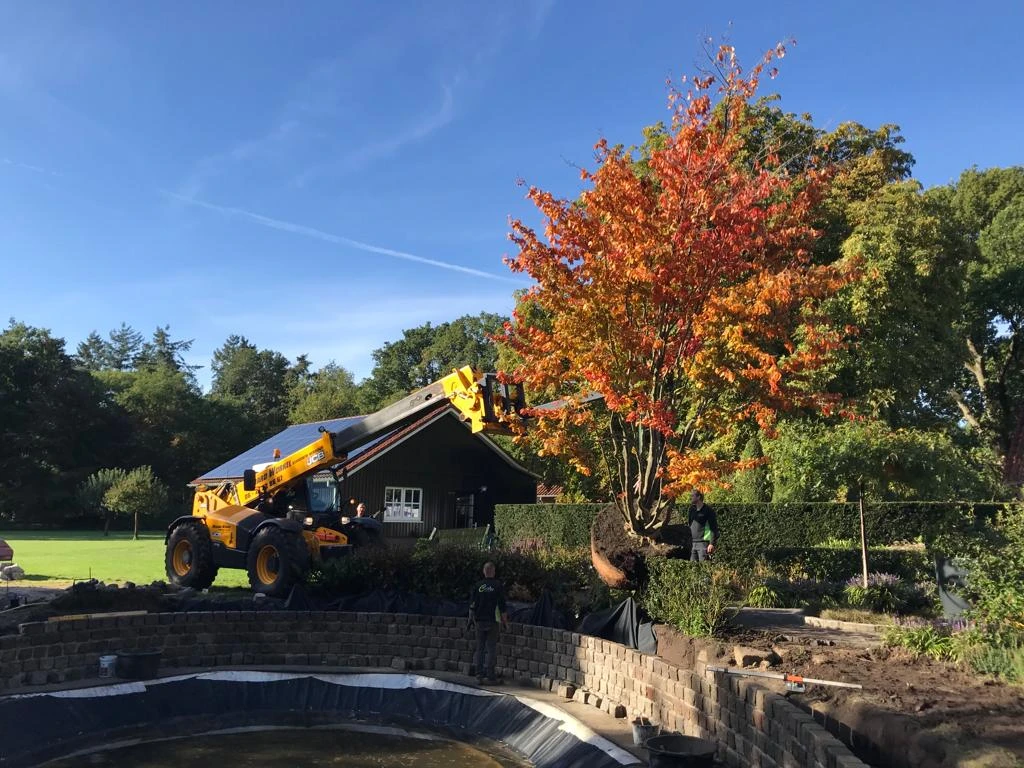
<point x="486" y="608"/>
<point x="703" y="528"/>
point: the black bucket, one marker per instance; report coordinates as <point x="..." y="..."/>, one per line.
<point x="674" y="751"/>
<point x="138" y="665"/>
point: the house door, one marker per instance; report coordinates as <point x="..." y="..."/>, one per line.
<point x="464" y="512"/>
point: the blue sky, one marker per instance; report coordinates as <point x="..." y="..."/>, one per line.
<point x="320" y="175"/>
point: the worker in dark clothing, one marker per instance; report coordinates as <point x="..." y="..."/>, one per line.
<point x="486" y="608"/>
<point x="703" y="528"/>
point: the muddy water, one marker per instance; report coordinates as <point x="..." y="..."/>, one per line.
<point x="294" y="747"/>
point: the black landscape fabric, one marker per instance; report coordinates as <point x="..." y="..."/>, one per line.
<point x="622" y="624"/>
<point x="37" y="728"/>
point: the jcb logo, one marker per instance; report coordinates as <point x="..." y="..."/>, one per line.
<point x="315" y="457"/>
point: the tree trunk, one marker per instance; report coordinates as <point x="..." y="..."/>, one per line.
<point x="106" y="522"/>
<point x="863" y="538"/>
<point x="135" y="534"/>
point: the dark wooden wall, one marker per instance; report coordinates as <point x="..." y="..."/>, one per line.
<point x="446" y="461"/>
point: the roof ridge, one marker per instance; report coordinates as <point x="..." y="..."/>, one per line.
<point x="321" y="421"/>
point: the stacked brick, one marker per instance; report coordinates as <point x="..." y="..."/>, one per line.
<point x="752" y="726"/>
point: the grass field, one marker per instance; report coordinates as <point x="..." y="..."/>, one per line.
<point x="76" y="555"/>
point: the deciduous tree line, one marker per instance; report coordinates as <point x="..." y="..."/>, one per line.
<point x="773" y="311"/>
<point x="122" y="418"/>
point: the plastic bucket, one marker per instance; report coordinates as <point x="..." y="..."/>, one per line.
<point x="107" y="664"/>
<point x="138" y="665"/>
<point x="674" y="751"/>
<point x="642" y="731"/>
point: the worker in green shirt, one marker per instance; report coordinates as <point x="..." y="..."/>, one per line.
<point x="703" y="528"/>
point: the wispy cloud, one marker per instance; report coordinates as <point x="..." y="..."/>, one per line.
<point x="212" y="166"/>
<point x="27" y="167"/>
<point x="318" y="234"/>
<point x="365" y="155"/>
<point x="539" y="10"/>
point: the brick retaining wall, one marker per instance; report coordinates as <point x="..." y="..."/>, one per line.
<point x="753" y="726"/>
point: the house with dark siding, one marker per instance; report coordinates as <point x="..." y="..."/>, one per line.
<point x="433" y="473"/>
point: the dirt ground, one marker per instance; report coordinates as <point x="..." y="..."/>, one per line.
<point x="917" y="712"/>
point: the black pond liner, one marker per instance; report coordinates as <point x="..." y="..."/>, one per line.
<point x="676" y="751"/>
<point x="38" y="727"/>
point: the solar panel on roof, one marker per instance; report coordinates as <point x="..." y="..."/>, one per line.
<point x="288" y="441"/>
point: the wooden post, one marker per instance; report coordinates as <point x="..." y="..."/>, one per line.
<point x="863" y="538"/>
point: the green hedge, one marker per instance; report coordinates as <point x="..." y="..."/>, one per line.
<point x="748" y="530"/>
<point x="449" y="571"/>
<point x="828" y="564"/>
<point x="556" y="525"/>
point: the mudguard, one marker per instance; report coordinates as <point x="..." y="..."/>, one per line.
<point x="177" y="522"/>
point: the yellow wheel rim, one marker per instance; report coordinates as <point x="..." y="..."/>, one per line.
<point x="181" y="558"/>
<point x="267" y="563"/>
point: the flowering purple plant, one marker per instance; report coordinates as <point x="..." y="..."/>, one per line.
<point x="875" y="580"/>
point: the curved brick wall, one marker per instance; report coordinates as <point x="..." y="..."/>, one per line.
<point x="752" y="726"/>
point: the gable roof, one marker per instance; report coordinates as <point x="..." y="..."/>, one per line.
<point x="289" y="441"/>
<point x="298" y="435"/>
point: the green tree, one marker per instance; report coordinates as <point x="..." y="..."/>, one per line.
<point x="257" y="381"/>
<point x="752" y="486"/>
<point x="56" y="425"/>
<point x="989" y="392"/>
<point x="174" y="428"/>
<point x="426" y="353"/>
<point x="330" y="393"/>
<point x="93" y="353"/>
<point x="93" y="490"/>
<point x="906" y="305"/>
<point x="162" y="350"/>
<point x="815" y="461"/>
<point x="138" y="493"/>
<point x="124" y="348"/>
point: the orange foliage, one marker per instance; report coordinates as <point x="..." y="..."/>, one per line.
<point x="685" y="297"/>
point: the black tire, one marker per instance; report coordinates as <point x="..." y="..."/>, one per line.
<point x="189" y="556"/>
<point x="277" y="559"/>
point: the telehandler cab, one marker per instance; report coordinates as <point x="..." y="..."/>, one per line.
<point x="275" y="524"/>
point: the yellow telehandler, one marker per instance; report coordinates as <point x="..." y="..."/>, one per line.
<point x="258" y="526"/>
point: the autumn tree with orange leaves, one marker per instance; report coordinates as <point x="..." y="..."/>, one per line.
<point x="684" y="295"/>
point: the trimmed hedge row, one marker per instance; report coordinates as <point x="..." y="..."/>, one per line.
<point x="556" y="525"/>
<point x="449" y="571"/>
<point x="748" y="528"/>
<point x="828" y="564"/>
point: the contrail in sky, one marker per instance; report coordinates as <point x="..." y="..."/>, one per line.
<point x="317" y="234"/>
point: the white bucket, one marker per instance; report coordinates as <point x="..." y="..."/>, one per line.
<point x="107" y="664"/>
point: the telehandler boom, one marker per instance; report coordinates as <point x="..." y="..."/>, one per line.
<point x="254" y="525"/>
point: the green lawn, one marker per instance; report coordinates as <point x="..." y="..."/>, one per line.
<point x="47" y="555"/>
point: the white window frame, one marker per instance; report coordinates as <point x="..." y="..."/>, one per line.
<point x="403" y="505"/>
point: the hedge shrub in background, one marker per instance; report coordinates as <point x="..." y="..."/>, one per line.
<point x="449" y="572"/>
<point x="751" y="530"/>
<point x="826" y="563"/>
<point x="556" y="525"/>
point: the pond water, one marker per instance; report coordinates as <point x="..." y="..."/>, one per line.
<point x="313" y="747"/>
